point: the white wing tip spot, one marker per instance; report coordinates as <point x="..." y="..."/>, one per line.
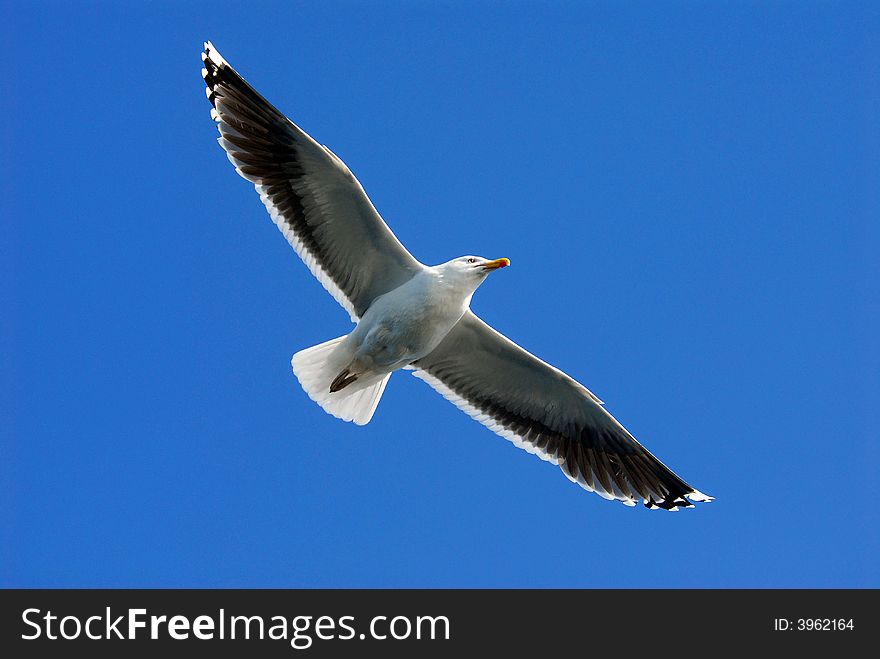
<point x="213" y="55"/>
<point x="699" y="497"/>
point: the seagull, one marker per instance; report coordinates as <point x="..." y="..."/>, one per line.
<point x="417" y="317"/>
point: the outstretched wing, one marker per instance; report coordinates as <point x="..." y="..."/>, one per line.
<point x="315" y="200"/>
<point x="544" y="411"/>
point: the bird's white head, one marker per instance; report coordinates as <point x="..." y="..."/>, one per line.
<point x="468" y="272"/>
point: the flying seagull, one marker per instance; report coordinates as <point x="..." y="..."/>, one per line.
<point x="417" y="317"/>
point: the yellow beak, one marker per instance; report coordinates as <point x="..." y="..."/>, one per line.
<point x="497" y="263"/>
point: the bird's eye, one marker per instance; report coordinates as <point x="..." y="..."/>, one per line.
<point x="472" y="260"/>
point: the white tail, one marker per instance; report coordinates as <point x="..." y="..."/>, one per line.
<point x="316" y="367"/>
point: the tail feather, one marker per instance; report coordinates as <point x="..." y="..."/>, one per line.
<point x="359" y="406"/>
<point x="317" y="367"/>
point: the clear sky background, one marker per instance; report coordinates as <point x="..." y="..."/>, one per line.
<point x="689" y="197"/>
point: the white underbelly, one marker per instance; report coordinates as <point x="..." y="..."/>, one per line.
<point x="404" y="326"/>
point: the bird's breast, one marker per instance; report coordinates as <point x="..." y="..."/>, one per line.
<point x="408" y="323"/>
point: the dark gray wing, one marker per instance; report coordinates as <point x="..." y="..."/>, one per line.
<point x="315" y="200"/>
<point x="542" y="410"/>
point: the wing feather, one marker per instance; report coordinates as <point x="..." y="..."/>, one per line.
<point x="544" y="411"/>
<point x="311" y="195"/>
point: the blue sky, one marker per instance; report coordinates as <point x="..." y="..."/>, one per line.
<point x="689" y="197"/>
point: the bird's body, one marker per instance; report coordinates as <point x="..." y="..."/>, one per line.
<point x="400" y="327"/>
<point x="408" y="322"/>
<point x="413" y="316"/>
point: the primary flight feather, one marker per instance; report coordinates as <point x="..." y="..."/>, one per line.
<point x="417" y="317"/>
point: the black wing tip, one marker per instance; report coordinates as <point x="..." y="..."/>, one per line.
<point x="675" y="502"/>
<point x="216" y="72"/>
<point x="222" y="81"/>
<point x="211" y="73"/>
